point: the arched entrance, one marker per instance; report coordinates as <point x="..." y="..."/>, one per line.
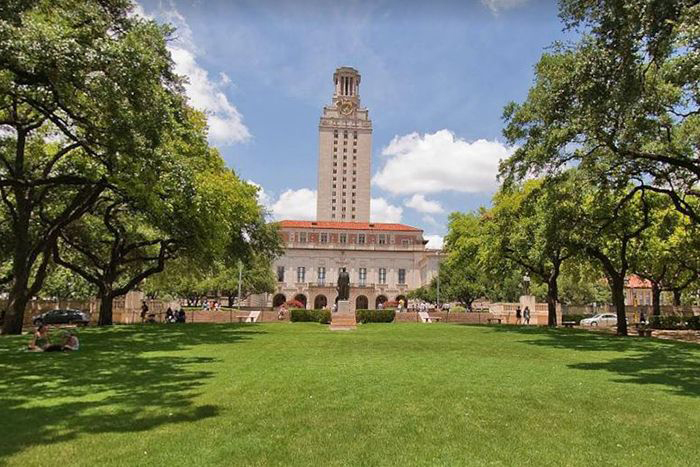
<point x="361" y="303"/>
<point x="320" y="302"/>
<point x="402" y="297"/>
<point x="380" y="299"/>
<point x="278" y="300"/>
<point x="301" y="298"/>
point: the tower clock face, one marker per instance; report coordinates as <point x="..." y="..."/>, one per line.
<point x="346" y="107"/>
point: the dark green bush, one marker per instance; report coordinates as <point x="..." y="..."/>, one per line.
<point x="318" y="316"/>
<point x="694" y="322"/>
<point x="375" y="316"/>
<point x="667" y="322"/>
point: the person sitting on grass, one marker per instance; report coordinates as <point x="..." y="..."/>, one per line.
<point x="180" y="316"/>
<point x="40" y="340"/>
<point x="70" y="343"/>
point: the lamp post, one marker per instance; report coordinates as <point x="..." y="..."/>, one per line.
<point x="240" y="275"/>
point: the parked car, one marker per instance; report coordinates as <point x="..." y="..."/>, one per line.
<point x="62" y="317"/>
<point x="601" y="319"/>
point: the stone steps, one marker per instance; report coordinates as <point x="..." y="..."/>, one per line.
<point x="343" y="322"/>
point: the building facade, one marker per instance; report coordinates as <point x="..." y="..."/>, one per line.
<point x="385" y="262"/>
<point x="344" y="153"/>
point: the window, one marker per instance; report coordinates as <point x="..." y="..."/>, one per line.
<point x="345" y="134"/>
<point x="381" y="239"/>
<point x="301" y="273"/>
<point x="280" y="273"/>
<point x="382" y="275"/>
<point x="363" y="276"/>
<point x="354" y="134"/>
<point x="402" y="276"/>
<point x="405" y="242"/>
<point x="335" y="133"/>
<point x="343" y="237"/>
<point x="360" y="237"/>
<point x="302" y="237"/>
<point x="321" y="275"/>
<point x="324" y="237"/>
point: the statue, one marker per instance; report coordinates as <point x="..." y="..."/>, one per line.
<point x="343" y="285"/>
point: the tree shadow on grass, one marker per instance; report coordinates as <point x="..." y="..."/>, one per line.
<point x="672" y="364"/>
<point x="110" y="385"/>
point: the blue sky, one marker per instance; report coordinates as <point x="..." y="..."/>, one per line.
<point x="435" y="77"/>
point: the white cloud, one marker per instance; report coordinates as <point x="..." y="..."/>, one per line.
<point x="381" y="211"/>
<point x="434" y="241"/>
<point x="295" y="204"/>
<point x="225" y="121"/>
<point x="263" y="198"/>
<point x="431" y="221"/>
<point x="438" y="162"/>
<point x="497" y="6"/>
<point x="420" y="204"/>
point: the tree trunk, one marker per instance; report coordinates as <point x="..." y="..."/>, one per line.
<point x="677" y="295"/>
<point x="14" y="318"/>
<point x="552" y="297"/>
<point x="656" y="298"/>
<point x="617" y="287"/>
<point x="106" y="303"/>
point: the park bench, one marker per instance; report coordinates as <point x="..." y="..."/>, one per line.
<point x="251" y="318"/>
<point x="426" y="318"/>
<point x="494" y="320"/>
<point x="568" y="324"/>
<point x="643" y="330"/>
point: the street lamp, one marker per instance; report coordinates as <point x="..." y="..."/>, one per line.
<point x="240" y="275"/>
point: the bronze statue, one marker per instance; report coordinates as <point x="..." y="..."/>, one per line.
<point x="343" y="285"/>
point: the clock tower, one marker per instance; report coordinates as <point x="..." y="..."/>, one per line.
<point x="345" y="153"/>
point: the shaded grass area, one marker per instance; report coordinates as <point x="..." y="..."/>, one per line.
<point x="386" y="394"/>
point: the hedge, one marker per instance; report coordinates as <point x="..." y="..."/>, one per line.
<point x="694" y="322"/>
<point x="667" y="322"/>
<point x="318" y="316"/>
<point x="375" y="316"/>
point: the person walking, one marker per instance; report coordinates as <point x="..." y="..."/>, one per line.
<point x="518" y="315"/>
<point x="526" y="315"/>
<point x="144" y="311"/>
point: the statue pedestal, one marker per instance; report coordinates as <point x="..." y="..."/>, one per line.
<point x="344" y="318"/>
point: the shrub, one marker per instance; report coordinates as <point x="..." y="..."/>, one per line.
<point x="458" y="309"/>
<point x="318" y="316"/>
<point x="375" y="316"/>
<point x="667" y="322"/>
<point x="694" y="322"/>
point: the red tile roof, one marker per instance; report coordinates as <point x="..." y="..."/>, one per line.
<point x="347" y="225"/>
<point x="636" y="282"/>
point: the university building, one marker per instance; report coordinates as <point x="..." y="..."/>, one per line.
<point x="384" y="260"/>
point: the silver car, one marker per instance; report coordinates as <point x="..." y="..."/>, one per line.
<point x="601" y="319"/>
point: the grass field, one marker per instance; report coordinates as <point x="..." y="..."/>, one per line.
<point x="395" y="394"/>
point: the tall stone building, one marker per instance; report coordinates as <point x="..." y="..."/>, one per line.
<point x="345" y="153"/>
<point x="385" y="261"/>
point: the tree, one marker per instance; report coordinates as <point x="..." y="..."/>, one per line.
<point x="622" y="100"/>
<point x="582" y="282"/>
<point x="125" y="240"/>
<point x="530" y="225"/>
<point x="462" y="271"/>
<point x="670" y="255"/>
<point x="86" y="94"/>
<point x="609" y="228"/>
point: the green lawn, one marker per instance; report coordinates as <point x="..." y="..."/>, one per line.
<point x="394" y="394"/>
